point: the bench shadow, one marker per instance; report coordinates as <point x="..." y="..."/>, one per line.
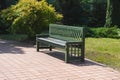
<point x="11" y="47"/>
<point x="60" y="55"/>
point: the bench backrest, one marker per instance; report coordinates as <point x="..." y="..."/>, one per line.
<point x="67" y="33"/>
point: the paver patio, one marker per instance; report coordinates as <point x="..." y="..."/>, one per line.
<point x="20" y="61"/>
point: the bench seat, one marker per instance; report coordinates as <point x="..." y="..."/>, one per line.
<point x="53" y="41"/>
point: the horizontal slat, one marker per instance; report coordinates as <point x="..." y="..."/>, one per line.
<point x="53" y="40"/>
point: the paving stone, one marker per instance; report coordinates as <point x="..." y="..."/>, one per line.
<point x="20" y="61"/>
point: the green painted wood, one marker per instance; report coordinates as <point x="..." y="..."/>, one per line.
<point x="67" y="33"/>
<point x="71" y="38"/>
<point x="37" y="43"/>
<point x="67" y="53"/>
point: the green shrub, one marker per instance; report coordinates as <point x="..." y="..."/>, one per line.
<point x="2" y="27"/>
<point x="16" y="37"/>
<point x="89" y="32"/>
<point x="119" y="32"/>
<point x="30" y="17"/>
<point x="103" y="32"/>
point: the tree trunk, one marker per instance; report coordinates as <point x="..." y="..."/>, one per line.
<point x="113" y="13"/>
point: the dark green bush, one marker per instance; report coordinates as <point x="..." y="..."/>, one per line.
<point x="29" y="17"/>
<point x="102" y="32"/>
<point x="89" y="32"/>
<point x="4" y="21"/>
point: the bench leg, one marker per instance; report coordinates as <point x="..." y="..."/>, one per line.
<point x="37" y="46"/>
<point x="67" y="54"/>
<point x="82" y="54"/>
<point x="50" y="48"/>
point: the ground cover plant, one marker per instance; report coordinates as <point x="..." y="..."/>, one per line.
<point x="16" y="37"/>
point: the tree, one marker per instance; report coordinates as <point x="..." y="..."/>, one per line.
<point x="7" y="3"/>
<point x="72" y="12"/>
<point x="95" y="11"/>
<point x="113" y="13"/>
<point x="81" y="12"/>
<point x="2" y="4"/>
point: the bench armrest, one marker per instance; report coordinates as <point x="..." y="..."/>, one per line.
<point x="42" y="35"/>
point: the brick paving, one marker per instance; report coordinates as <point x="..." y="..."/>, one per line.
<point x="19" y="61"/>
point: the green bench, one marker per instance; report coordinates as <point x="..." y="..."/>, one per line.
<point x="70" y="38"/>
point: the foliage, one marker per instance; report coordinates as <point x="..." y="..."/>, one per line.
<point x="81" y="12"/>
<point x="96" y="11"/>
<point x="112" y="13"/>
<point x="104" y="50"/>
<point x="56" y="4"/>
<point x="102" y="32"/>
<point x="89" y="32"/>
<point x="30" y="17"/>
<point x="16" y="37"/>
<point x="72" y="12"/>
<point x="6" y="3"/>
<point x="3" y="5"/>
<point x="4" y="25"/>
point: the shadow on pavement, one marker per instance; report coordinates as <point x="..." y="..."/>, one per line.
<point x="11" y="47"/>
<point x="61" y="55"/>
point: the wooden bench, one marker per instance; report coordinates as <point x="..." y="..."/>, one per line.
<point x="70" y="38"/>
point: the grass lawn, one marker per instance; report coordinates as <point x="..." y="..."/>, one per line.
<point x="104" y="50"/>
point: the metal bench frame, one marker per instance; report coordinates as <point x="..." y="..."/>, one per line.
<point x="70" y="38"/>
